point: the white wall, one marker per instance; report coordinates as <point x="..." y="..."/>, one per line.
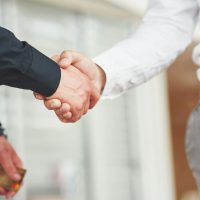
<point x="107" y="150"/>
<point x="137" y="6"/>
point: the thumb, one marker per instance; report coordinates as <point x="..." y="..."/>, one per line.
<point x="66" y="59"/>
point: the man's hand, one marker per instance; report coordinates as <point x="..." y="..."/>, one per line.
<point x="87" y="67"/>
<point x="95" y="74"/>
<point x="10" y="161"/>
<point x="75" y="89"/>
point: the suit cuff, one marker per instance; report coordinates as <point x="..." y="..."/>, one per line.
<point x="43" y="75"/>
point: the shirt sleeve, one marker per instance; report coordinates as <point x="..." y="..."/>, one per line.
<point x="22" y="66"/>
<point x="165" y="32"/>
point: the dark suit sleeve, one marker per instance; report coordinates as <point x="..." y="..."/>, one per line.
<point x="22" y="66"/>
<point x="1" y="129"/>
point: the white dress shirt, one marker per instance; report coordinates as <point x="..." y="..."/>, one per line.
<point x="165" y="32"/>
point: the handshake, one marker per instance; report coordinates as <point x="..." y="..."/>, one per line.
<point x="80" y="87"/>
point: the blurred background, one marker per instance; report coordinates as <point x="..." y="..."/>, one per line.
<point x="130" y="148"/>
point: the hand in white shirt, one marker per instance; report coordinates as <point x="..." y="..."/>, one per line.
<point x="165" y="32"/>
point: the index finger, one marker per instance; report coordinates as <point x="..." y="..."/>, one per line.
<point x="52" y="104"/>
<point x="56" y="58"/>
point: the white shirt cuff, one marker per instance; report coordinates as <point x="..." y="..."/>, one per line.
<point x="108" y="68"/>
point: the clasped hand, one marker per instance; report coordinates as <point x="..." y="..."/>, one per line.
<point x="80" y="88"/>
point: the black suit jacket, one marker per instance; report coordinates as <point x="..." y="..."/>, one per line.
<point x="22" y="66"/>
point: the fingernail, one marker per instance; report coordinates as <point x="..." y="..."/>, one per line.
<point x="64" y="61"/>
<point x="17" y="177"/>
<point x="53" y="105"/>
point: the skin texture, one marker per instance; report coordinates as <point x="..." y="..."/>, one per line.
<point x="9" y="160"/>
<point x="86" y="67"/>
<point x="74" y="89"/>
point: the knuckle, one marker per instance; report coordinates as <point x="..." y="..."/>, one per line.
<point x="87" y="82"/>
<point x="65" y="53"/>
<point x="81" y="96"/>
<point x="3" y="154"/>
<point x="84" y="94"/>
<point x="83" y="99"/>
<point x="88" y="89"/>
<point x="9" y="169"/>
<point x="66" y="106"/>
<point x="75" y="118"/>
<point x="79" y="106"/>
